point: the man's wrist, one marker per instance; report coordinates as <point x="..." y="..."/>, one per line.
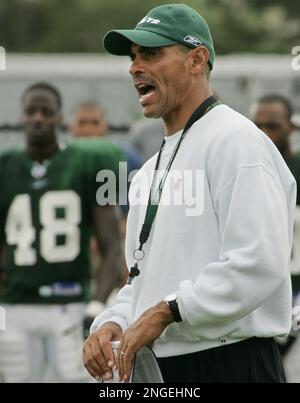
<point x="164" y="313"/>
<point x="111" y="326"/>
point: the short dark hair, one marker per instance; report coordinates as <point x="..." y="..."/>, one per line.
<point x="47" y="87"/>
<point x="270" y="98"/>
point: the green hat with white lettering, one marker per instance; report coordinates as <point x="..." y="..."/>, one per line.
<point x="163" y="26"/>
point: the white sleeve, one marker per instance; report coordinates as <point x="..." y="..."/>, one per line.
<point x="254" y="255"/>
<point x="119" y="313"/>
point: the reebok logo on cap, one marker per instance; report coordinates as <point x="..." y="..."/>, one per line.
<point x="192" y="40"/>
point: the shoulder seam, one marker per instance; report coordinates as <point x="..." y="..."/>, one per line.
<point x="245" y="167"/>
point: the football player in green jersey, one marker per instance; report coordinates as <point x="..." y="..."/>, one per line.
<point x="272" y="113"/>
<point x="48" y="211"/>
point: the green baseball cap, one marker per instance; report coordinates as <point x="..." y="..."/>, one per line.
<point x="163" y="26"/>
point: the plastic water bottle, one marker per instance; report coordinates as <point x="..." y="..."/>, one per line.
<point x="115" y="373"/>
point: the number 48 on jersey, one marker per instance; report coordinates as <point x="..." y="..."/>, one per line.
<point x="21" y="232"/>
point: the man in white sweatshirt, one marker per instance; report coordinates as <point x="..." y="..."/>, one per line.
<point x="208" y="252"/>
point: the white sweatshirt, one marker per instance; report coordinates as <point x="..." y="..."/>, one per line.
<point x="228" y="257"/>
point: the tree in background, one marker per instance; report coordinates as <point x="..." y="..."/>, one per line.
<point x="267" y="26"/>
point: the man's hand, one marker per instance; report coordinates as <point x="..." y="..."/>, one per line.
<point x="98" y="356"/>
<point x="143" y="332"/>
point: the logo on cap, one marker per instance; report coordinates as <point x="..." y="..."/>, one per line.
<point x="192" y="40"/>
<point x="149" y="20"/>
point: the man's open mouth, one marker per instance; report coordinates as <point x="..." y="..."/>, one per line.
<point x="144" y="89"/>
<point x="146" y="92"/>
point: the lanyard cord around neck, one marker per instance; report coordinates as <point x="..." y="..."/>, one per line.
<point x="154" y="197"/>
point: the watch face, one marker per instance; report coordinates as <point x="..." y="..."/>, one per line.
<point x="170" y="297"/>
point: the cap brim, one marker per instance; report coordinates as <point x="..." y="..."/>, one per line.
<point x="118" y="42"/>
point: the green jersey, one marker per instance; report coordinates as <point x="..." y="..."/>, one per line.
<point x="46" y="221"/>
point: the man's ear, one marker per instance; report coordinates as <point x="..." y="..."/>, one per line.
<point x="199" y="59"/>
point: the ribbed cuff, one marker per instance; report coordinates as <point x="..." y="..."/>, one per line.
<point x="181" y="309"/>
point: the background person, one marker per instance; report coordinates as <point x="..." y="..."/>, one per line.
<point x="48" y="211"/>
<point x="272" y="113"/>
<point x="89" y="121"/>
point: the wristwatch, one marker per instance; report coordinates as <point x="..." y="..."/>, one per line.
<point x="172" y="301"/>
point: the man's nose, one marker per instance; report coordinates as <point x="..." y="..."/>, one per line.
<point x="38" y="116"/>
<point x="137" y="66"/>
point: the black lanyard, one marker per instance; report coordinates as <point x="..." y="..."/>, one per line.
<point x="154" y="197"/>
